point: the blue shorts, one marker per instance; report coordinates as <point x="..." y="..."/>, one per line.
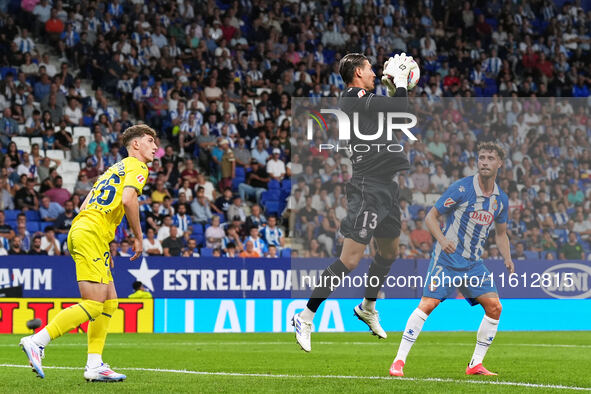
<point x="471" y="280"/>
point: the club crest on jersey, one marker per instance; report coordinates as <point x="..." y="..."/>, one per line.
<point x="361" y="93"/>
<point x="140" y="178"/>
<point x="495" y="205"/>
<point x="482" y="217"/>
<point x="363" y="233"/>
<point x="449" y="202"/>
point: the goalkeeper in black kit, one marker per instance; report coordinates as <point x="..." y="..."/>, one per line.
<point x="373" y="209"/>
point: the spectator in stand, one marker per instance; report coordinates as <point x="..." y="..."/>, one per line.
<point x="49" y="243"/>
<point x="16" y="246"/>
<point x="79" y="151"/>
<point x="273" y="235"/>
<point x="73" y="113"/>
<point x="249" y="250"/>
<point x="58" y="193"/>
<point x="420" y="235"/>
<point x="182" y="220"/>
<point x="151" y="245"/>
<point x="63" y="138"/>
<point x="172" y="245"/>
<point x="214" y="234"/>
<point x="26" y="197"/>
<point x="192" y="248"/>
<point x="164" y="230"/>
<point x="36" y="247"/>
<point x="275" y="166"/>
<point x="49" y="210"/>
<point x="256" y="182"/>
<point x="189" y="173"/>
<point x="201" y="211"/>
<point x="228" y="165"/>
<point x="97" y="141"/>
<point x="572" y="250"/>
<point x="64" y="220"/>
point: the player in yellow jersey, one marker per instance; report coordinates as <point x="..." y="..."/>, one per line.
<point x="114" y="194"/>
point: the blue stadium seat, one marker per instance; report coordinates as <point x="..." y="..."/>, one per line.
<point x="240" y="172"/>
<point x="286" y="252"/>
<point x="33" y="216"/>
<point x="11" y="223"/>
<point x="6" y="70"/>
<point x="11" y="214"/>
<point x="531" y="255"/>
<point x="286" y="185"/>
<point x="199" y="238"/>
<point x="206" y="252"/>
<point x="197" y="229"/>
<point x="43" y="225"/>
<point x="236" y="182"/>
<point x="271" y="195"/>
<point x="414" y="210"/>
<point x="61" y="237"/>
<point x="33" y="227"/>
<point x="272" y="207"/>
<point x="273" y="184"/>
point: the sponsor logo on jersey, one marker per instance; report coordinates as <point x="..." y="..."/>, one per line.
<point x="449" y="202"/>
<point x="140" y="178"/>
<point x="482" y="217"/>
<point x="361" y="93"/>
<point x="363" y="233"/>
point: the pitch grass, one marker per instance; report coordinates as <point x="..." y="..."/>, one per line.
<point x="544" y="358"/>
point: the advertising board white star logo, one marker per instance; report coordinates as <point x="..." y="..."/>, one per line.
<point x="462" y="189"/>
<point x="144" y="274"/>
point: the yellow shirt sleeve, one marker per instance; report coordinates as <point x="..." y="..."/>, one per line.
<point x="136" y="175"/>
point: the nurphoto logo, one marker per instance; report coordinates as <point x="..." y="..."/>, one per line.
<point x="344" y="122"/>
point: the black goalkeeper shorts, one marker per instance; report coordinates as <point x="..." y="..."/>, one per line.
<point x="372" y="210"/>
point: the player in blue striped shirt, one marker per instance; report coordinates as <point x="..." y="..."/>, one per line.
<point x="471" y="205"/>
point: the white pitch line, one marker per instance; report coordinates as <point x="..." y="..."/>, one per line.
<point x="350" y="377"/>
<point x="285" y="343"/>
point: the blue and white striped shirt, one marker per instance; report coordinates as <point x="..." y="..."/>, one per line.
<point x="469" y="218"/>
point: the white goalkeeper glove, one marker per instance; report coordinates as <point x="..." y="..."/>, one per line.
<point x="398" y="69"/>
<point x="386" y="81"/>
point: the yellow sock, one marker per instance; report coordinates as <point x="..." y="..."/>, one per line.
<point x="97" y="329"/>
<point x="73" y="316"/>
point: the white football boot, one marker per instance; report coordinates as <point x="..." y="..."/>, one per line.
<point x="102" y="373"/>
<point x="303" y="330"/>
<point x="372" y="319"/>
<point x="35" y="353"/>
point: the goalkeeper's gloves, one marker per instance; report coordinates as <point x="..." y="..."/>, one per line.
<point x="387" y="82"/>
<point x="398" y="69"/>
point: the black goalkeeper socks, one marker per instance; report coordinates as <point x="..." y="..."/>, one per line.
<point x="321" y="293"/>
<point x="379" y="269"/>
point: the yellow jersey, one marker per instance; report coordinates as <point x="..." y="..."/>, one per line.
<point x="140" y="294"/>
<point x="104" y="210"/>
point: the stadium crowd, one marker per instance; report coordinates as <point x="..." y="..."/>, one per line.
<point x="216" y="79"/>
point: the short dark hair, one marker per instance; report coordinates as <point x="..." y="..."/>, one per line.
<point x="349" y="63"/>
<point x="137" y="131"/>
<point x="491" y="146"/>
<point x="137" y="285"/>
